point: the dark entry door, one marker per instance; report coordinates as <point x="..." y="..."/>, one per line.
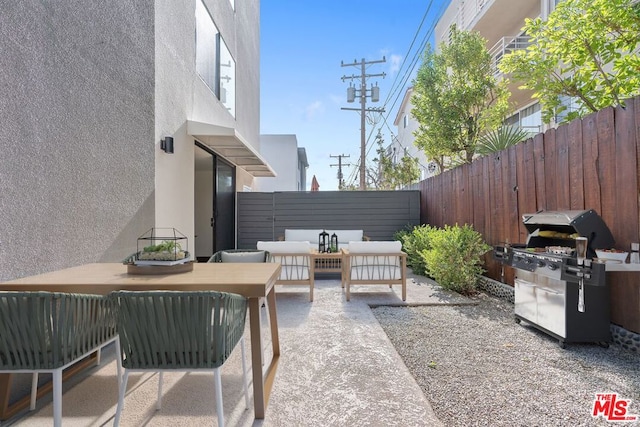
<point x="214" y="203"/>
<point x="224" y="205"/>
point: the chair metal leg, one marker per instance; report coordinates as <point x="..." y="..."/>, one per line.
<point x="121" y="392"/>
<point x="218" y="388"/>
<point x="57" y="398"/>
<point x="118" y="363"/>
<point x="34" y="391"/>
<point x="159" y="401"/>
<point x="244" y="373"/>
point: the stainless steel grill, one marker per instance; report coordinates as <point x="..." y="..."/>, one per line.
<point x="552" y="292"/>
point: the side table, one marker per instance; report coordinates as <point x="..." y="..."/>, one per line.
<point x="329" y="262"/>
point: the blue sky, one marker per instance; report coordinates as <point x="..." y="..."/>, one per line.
<point x="302" y="44"/>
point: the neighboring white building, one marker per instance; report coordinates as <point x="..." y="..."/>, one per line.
<point x="288" y="161"/>
<point x="84" y="112"/>
<point x="403" y="143"/>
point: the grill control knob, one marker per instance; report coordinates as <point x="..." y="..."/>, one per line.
<point x="553" y="267"/>
<point x="540" y="263"/>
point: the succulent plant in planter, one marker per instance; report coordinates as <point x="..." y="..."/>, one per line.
<point x="167" y="250"/>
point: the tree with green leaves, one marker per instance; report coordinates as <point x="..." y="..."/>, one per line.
<point x="587" y="50"/>
<point x="457" y="98"/>
<point x="390" y="175"/>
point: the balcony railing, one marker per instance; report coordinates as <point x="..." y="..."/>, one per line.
<point x="504" y="46"/>
<point x="467" y="12"/>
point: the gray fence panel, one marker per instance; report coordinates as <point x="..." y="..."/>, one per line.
<point x="255" y="219"/>
<point x="379" y="213"/>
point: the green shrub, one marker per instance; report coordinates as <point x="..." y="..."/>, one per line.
<point x="454" y="258"/>
<point x="413" y="243"/>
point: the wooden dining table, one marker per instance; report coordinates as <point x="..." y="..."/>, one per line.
<point x="251" y="280"/>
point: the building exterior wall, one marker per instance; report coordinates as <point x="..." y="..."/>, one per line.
<point x="89" y="90"/>
<point x="281" y="151"/>
<point x="404" y="141"/>
<point x="77" y="113"/>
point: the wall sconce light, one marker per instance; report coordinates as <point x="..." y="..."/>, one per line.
<point x="166" y="144"/>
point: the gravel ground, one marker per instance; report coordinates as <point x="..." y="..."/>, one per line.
<point x="477" y="367"/>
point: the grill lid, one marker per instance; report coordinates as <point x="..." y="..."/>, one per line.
<point x="586" y="223"/>
<point x="552" y="218"/>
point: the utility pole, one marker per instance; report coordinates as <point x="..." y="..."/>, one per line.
<point x="339" y="165"/>
<point x="374" y="95"/>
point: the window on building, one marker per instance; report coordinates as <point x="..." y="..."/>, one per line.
<point x="405" y="120"/>
<point x="206" y="47"/>
<point x="214" y="63"/>
<point x="570" y="104"/>
<point x="513" y="120"/>
<point x="227" y="78"/>
<point x="528" y="119"/>
<point x="531" y="118"/>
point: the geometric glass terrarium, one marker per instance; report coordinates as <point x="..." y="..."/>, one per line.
<point x="162" y="246"/>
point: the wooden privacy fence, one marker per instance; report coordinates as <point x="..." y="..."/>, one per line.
<point x="589" y="163"/>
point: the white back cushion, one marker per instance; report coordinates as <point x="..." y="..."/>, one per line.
<point x="301" y="235"/>
<point x="285" y="247"/>
<point x="374" y="247"/>
<point x="346" y="236"/>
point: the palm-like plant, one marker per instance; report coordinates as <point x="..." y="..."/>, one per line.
<point x="501" y="139"/>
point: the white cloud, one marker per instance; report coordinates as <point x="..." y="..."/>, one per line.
<point x="338" y="99"/>
<point x="313" y="109"/>
<point x="395" y="61"/>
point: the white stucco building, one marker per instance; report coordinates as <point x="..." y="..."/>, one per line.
<point x="288" y="161"/>
<point x="403" y="143"/>
<point x="90" y="93"/>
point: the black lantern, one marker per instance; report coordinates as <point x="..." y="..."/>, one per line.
<point x="334" y="243"/>
<point x="323" y="242"/>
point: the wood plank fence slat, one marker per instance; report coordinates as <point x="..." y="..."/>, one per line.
<point x="575" y="166"/>
<point x="538" y="152"/>
<point x="561" y="178"/>
<point x="551" y="181"/>
<point x="626" y="171"/>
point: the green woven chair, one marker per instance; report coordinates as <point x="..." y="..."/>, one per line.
<point x="179" y="331"/>
<point x="47" y="332"/>
<point x="245" y="255"/>
<point x="241" y="255"/>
